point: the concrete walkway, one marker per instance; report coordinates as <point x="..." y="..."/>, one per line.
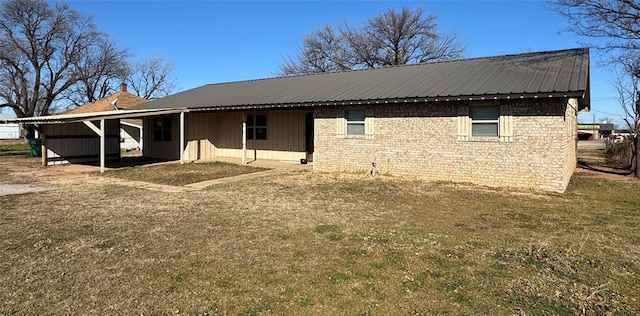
<point x="208" y="183"/>
<point x="73" y="173"/>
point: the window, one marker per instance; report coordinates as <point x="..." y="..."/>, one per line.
<point x="485" y="121"/>
<point x="257" y="127"/>
<point x="355" y="122"/>
<point x="162" y="129"/>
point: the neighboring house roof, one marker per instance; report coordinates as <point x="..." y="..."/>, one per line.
<point x="562" y="73"/>
<point x="124" y="100"/>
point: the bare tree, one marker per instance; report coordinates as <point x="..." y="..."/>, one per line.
<point x="615" y="21"/>
<point x="101" y="69"/>
<point x="41" y="46"/>
<point x="628" y="86"/>
<point x="152" y="78"/>
<point x="387" y="39"/>
<point x="617" y="24"/>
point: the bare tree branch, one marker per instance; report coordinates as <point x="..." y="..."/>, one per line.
<point x="618" y="23"/>
<point x="387" y="39"/>
<point x="152" y="78"/>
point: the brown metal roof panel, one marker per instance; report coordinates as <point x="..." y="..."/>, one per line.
<point x="525" y="73"/>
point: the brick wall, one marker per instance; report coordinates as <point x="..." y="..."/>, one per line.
<point x="421" y="140"/>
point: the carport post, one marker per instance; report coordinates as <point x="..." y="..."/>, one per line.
<point x="244" y="139"/>
<point x="100" y="132"/>
<point x="181" y="138"/>
<point x="102" y="151"/>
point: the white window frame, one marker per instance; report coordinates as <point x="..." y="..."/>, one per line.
<point x="342" y="123"/>
<point x="505" y="123"/>
<point x="356" y="123"/>
<point x="476" y="121"/>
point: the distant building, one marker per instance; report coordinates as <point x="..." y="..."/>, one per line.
<point x="594" y="131"/>
<point x="8" y="130"/>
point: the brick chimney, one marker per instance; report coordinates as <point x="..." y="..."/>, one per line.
<point x="123" y="87"/>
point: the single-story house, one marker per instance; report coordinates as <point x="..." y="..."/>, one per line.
<point x="506" y="121"/>
<point x="8" y="130"/>
<point x="77" y="143"/>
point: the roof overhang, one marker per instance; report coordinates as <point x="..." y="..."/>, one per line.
<point x="582" y="96"/>
<point x="95" y="116"/>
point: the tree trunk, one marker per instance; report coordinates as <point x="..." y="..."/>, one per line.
<point x="30" y="131"/>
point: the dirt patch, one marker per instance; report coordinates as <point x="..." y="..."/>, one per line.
<point x="8" y="189"/>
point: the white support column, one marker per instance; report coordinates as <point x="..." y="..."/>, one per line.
<point x="141" y="136"/>
<point x="100" y="132"/>
<point x="102" y="146"/>
<point x="181" y="138"/>
<point x="244" y="139"/>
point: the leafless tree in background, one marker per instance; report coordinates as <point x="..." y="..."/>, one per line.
<point x="152" y="78"/>
<point x="52" y="57"/>
<point x="39" y="46"/>
<point x="628" y="86"/>
<point x="102" y="68"/>
<point x="387" y="39"/>
<point x="617" y="23"/>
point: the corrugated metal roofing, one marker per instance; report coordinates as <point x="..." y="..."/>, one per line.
<point x="540" y="74"/>
<point x="79" y="117"/>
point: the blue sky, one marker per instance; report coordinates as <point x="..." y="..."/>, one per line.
<point x="221" y="41"/>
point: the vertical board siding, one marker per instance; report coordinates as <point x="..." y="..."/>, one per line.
<point x="506" y="123"/>
<point x="162" y="149"/>
<point x="77" y="143"/>
<point x="464" y="123"/>
<point x="341" y="123"/>
<point x="212" y="135"/>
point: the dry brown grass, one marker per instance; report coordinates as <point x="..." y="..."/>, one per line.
<point x="176" y="174"/>
<point x="321" y="244"/>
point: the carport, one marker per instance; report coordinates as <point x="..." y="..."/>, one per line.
<point x="77" y="138"/>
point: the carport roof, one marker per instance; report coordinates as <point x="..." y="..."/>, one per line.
<point x="94" y="116"/>
<point x="561" y="73"/>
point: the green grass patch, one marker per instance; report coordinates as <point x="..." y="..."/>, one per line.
<point x="17" y="147"/>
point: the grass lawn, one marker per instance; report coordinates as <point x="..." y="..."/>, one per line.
<point x="14" y="148"/>
<point x="176" y="174"/>
<point x="322" y="244"/>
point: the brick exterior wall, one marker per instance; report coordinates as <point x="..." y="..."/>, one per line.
<point x="420" y="140"/>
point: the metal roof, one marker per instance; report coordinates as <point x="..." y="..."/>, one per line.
<point x="94" y="116"/>
<point x="562" y="73"/>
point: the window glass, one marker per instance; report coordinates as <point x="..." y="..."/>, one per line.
<point x="261" y="120"/>
<point x="484" y="121"/>
<point x="355" y="116"/>
<point x="484" y="112"/>
<point x="261" y="133"/>
<point x="162" y="129"/>
<point x="257" y="127"/>
<point x="484" y="130"/>
<point x="355" y="129"/>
